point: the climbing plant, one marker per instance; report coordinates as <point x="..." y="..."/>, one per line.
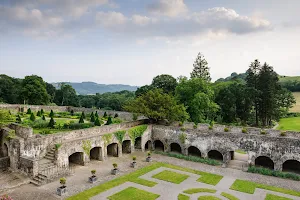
<point x="11" y="135"/>
<point x="57" y="146"/>
<point x="182" y="138"/>
<point x="87" y="146"/>
<point x="107" y="138"/>
<point x="120" y="135"/>
<point x="136" y="132"/>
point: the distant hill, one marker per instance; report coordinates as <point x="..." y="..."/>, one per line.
<point x="233" y="76"/>
<point x="289" y="78"/>
<point x="85" y="88"/>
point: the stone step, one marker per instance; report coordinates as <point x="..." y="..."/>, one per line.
<point x="50" y="153"/>
<point x="52" y="158"/>
<point x="237" y="164"/>
<point x="34" y="182"/>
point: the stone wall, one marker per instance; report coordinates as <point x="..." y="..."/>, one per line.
<point x="4" y="163"/>
<point x="28" y="166"/>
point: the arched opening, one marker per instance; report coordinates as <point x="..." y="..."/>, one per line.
<point x="138" y="143"/>
<point x="112" y="150"/>
<point x="232" y="155"/>
<point x="96" y="153"/>
<point x="263" y="161"/>
<point x="148" y="145"/>
<point x="194" y="151"/>
<point x="3" y="151"/>
<point x="158" y="145"/>
<point x="174" y="147"/>
<point x="291" y="166"/>
<point x="76" y="159"/>
<point x="216" y="155"/>
<point x="126" y="146"/>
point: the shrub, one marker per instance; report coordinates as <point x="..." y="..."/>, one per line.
<point x="44" y="118"/>
<point x="51" y="113"/>
<point x="81" y="120"/>
<point x="244" y="130"/>
<point x="83" y="115"/>
<point x="97" y="122"/>
<point x="93" y="172"/>
<point x="5" y="197"/>
<point x="57" y="146"/>
<point x="75" y="126"/>
<point x="195" y="126"/>
<point x="38" y="114"/>
<point x="182" y="138"/>
<point x="182" y="129"/>
<point x="28" y="111"/>
<point x="42" y="111"/>
<point x="210" y="128"/>
<point x="109" y="121"/>
<point x="134" y="116"/>
<point x="149" y="153"/>
<point x="32" y="117"/>
<point x="92" y="117"/>
<point x="115" y="165"/>
<point x="116" y="115"/>
<point x="45" y="132"/>
<point x="19" y="120"/>
<point x="212" y="123"/>
<point x="51" y="123"/>
<point x="226" y="129"/>
<point x="39" y="124"/>
<point x="96" y="115"/>
<point x="72" y="112"/>
<point x="180" y="124"/>
<point x="283" y="133"/>
<point x="269" y="172"/>
<point x="63" y="181"/>
<point x="105" y="114"/>
<point x="134" y="158"/>
<point x="116" y="121"/>
<point x="263" y="132"/>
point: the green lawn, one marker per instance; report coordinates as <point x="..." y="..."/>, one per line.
<point x="289" y="124"/>
<point x="183" y="197"/>
<point x="275" y="197"/>
<point x="199" y="190"/>
<point x="170" y="176"/>
<point x="229" y="196"/>
<point x="208" y="198"/>
<point x="132" y="193"/>
<point x="249" y="187"/>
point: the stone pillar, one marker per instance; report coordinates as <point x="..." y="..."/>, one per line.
<point x="226" y="158"/>
<point x="278" y="166"/>
<point x="119" y="149"/>
<point x="185" y="151"/>
<point x="35" y="168"/>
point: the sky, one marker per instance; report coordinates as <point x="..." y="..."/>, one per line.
<point x="131" y="41"/>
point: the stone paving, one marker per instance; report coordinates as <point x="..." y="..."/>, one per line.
<point x="78" y="181"/>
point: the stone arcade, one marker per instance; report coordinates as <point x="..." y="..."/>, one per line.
<point x="35" y="154"/>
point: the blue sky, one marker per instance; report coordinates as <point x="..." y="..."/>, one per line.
<point x="131" y="41"/>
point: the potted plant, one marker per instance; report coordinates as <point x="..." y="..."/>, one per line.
<point x="115" y="170"/>
<point x="148" y="159"/>
<point x="63" y="188"/>
<point x="93" y="178"/>
<point x="133" y="164"/>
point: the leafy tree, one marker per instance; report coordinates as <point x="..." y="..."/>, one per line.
<point x="44" y="118"/>
<point x="197" y="96"/>
<point x="10" y="89"/>
<point x="34" y="91"/>
<point x="105" y="114"/>
<point x="51" y="113"/>
<point x="38" y="113"/>
<point x="28" y="111"/>
<point x="142" y="90"/>
<point x="81" y="120"/>
<point x="116" y="115"/>
<point x="157" y="105"/>
<point x="19" y="120"/>
<point x="66" y="95"/>
<point x="51" y="123"/>
<point x="109" y="121"/>
<point x="201" y="69"/>
<point x="32" y="117"/>
<point x="97" y="122"/>
<point x="92" y="117"/>
<point x="165" y="82"/>
<point x="51" y="90"/>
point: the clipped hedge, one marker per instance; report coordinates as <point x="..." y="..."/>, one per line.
<point x="269" y="172"/>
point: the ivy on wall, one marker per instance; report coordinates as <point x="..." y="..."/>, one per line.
<point x="11" y="135"/>
<point x="87" y="146"/>
<point x="107" y="138"/>
<point x="120" y="135"/>
<point x="136" y="132"/>
<point x="182" y="138"/>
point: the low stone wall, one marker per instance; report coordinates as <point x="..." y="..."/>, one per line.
<point x="21" y="131"/>
<point x="29" y="166"/>
<point x="4" y="163"/>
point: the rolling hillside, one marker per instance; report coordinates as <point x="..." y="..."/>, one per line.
<point x="296" y="108"/>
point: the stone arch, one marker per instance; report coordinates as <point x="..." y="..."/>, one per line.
<point x="215" y="154"/>
<point x="4" y="150"/>
<point x="112" y="150"/>
<point x="138" y="143"/>
<point x="126" y="146"/>
<point x="264" y="161"/>
<point x="194" y="151"/>
<point x="76" y="158"/>
<point x="96" y="153"/>
<point x="175" y="147"/>
<point x="291" y="166"/>
<point x="148" y="145"/>
<point x="159" y="146"/>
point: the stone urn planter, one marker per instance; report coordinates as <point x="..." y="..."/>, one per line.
<point x="93" y="178"/>
<point x="133" y="164"/>
<point x="62" y="189"/>
<point x="148" y="159"/>
<point x="115" y="170"/>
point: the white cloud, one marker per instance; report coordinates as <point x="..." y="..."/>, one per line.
<point x="141" y="20"/>
<point x="170" y="8"/>
<point x="110" y="19"/>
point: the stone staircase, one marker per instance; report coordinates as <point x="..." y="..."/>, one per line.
<point x="45" y="166"/>
<point x="240" y="162"/>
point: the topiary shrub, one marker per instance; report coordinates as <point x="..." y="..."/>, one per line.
<point x="63" y="181"/>
<point x="116" y="115"/>
<point x="42" y="112"/>
<point x="28" y="111"/>
<point x="210" y="128"/>
<point x="81" y="120"/>
<point x="44" y="118"/>
<point x="244" y="130"/>
<point x="51" y="113"/>
<point x="134" y="158"/>
<point x="92" y="118"/>
<point x="18" y="119"/>
<point x="105" y="114"/>
<point x="38" y="114"/>
<point x="115" y="165"/>
<point x="226" y="129"/>
<point x="72" y="112"/>
<point x="32" y="117"/>
<point x="283" y="133"/>
<point x="83" y="115"/>
<point x="96" y="115"/>
<point x="109" y="121"/>
<point x="51" y="123"/>
<point x="97" y="122"/>
<point x="93" y="172"/>
<point x="263" y="132"/>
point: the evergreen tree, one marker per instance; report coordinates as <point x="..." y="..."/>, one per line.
<point x="72" y="112"/>
<point x="96" y="114"/>
<point x="105" y="114"/>
<point x="32" y="117"/>
<point x="201" y="69"/>
<point x="97" y="122"/>
<point x="83" y="115"/>
<point x="19" y="120"/>
<point x="92" y="114"/>
<point x="81" y="120"/>
<point x="44" y="118"/>
<point x="51" y="123"/>
<point x="93" y="118"/>
<point x="42" y="112"/>
<point x="51" y="113"/>
<point x="109" y="121"/>
<point x="116" y="115"/>
<point x="38" y="114"/>
<point x="28" y="111"/>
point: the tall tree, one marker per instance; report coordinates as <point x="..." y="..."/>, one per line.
<point x="34" y="91"/>
<point x="201" y="69"/>
<point x="252" y="76"/>
<point x="66" y="96"/>
<point x="51" y="91"/>
<point x="165" y="82"/>
<point x="10" y="89"/>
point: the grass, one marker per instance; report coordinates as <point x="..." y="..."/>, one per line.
<point x="296" y="107"/>
<point x="207" y="178"/>
<point x="289" y="124"/>
<point x="190" y="158"/>
<point x="183" y="197"/>
<point x="132" y="193"/>
<point x="208" y="198"/>
<point x="240" y="151"/>
<point x="229" y="196"/>
<point x="275" y="197"/>
<point x="249" y="187"/>
<point x="199" y="190"/>
<point x="170" y="176"/>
